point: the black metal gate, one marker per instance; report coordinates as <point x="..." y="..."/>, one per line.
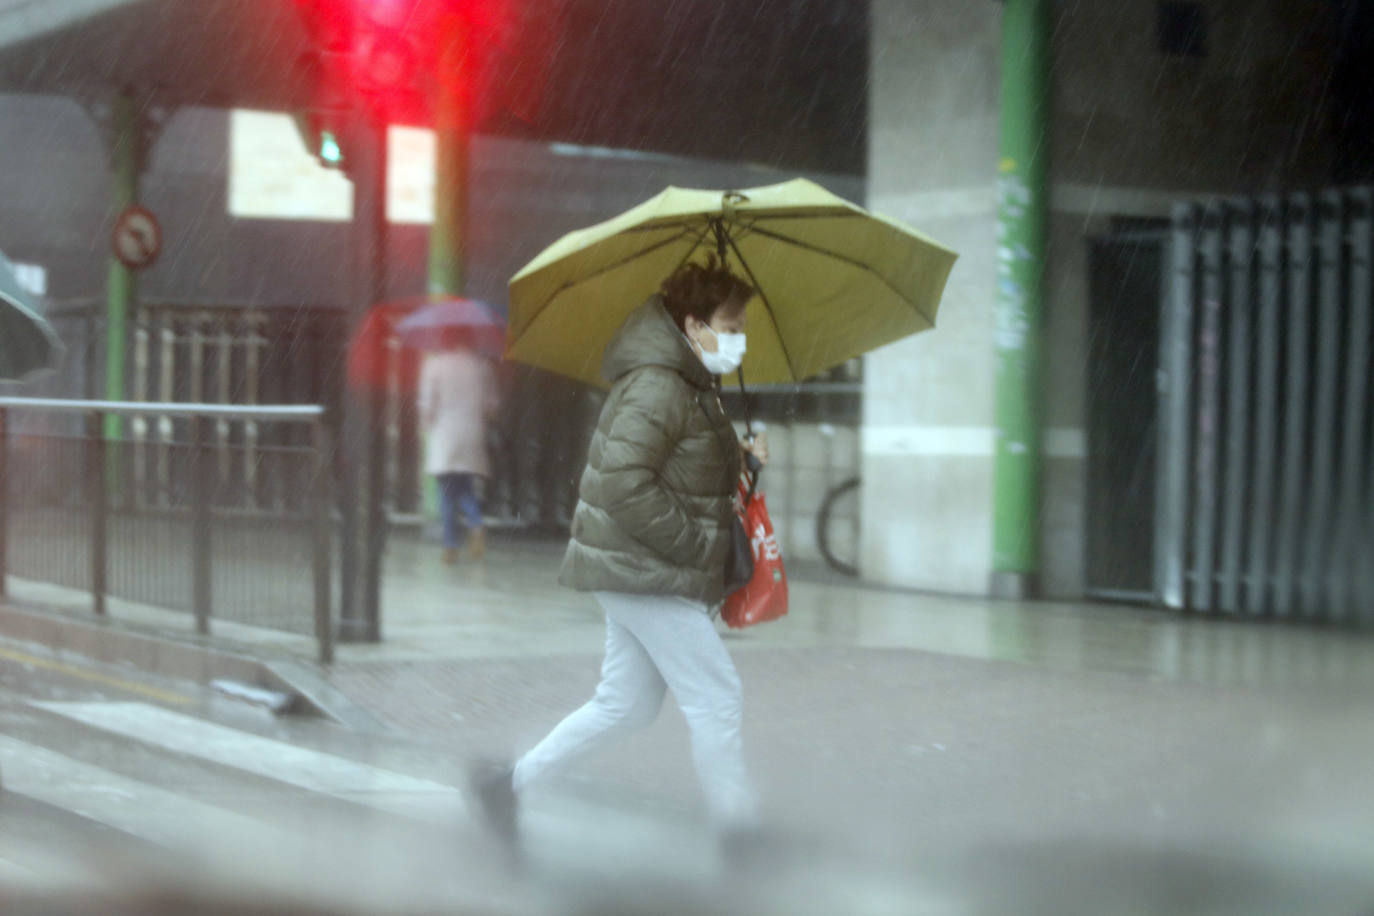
<point x="1266" y="477"/>
<point x="1125" y="277"/>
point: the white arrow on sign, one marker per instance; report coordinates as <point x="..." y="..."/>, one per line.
<point x="137" y="238"/>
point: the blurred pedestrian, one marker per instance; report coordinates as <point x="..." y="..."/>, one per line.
<point x="650" y="537"/>
<point x="458" y="395"/>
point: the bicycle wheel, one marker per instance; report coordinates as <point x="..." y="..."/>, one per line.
<point x="846" y="496"/>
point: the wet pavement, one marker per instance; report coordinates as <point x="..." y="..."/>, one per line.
<point x="510" y="606"/>
<point x="915" y="754"/>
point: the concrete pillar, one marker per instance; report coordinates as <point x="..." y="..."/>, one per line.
<point x="929" y="405"/>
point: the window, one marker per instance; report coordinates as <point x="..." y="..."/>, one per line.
<point x="273" y="176"/>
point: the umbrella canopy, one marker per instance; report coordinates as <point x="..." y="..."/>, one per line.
<point x="27" y="342"/>
<point x="371" y="362"/>
<point x="432" y="327"/>
<point x="834" y="280"/>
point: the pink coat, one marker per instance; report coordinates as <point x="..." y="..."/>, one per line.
<point x="458" y="394"/>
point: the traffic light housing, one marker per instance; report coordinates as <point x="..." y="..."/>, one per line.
<point x="323" y="135"/>
<point x="389" y="57"/>
<point x="322" y="122"/>
<point x="364" y="53"/>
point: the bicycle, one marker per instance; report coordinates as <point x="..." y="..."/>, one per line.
<point x="837" y="493"/>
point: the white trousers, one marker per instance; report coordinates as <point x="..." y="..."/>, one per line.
<point x="655" y="643"/>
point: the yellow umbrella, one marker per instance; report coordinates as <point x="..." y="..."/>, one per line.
<point x="834" y="280"/>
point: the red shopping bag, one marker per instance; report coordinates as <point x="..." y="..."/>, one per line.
<point x="764" y="597"/>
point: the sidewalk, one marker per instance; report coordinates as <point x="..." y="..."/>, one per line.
<point x="911" y="727"/>
<point x="913" y="716"/>
<point x="511" y="607"/>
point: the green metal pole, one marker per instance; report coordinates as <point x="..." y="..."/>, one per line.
<point x="122" y="286"/>
<point x="450" y="166"/>
<point x="1022" y="215"/>
<point x="450" y="188"/>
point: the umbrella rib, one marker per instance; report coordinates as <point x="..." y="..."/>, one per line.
<point x="789" y="215"/>
<point x="638" y="254"/>
<point x="768" y="233"/>
<point x="772" y="315"/>
<point x="701" y="237"/>
<point x="685" y="224"/>
<point x="605" y="270"/>
<point x="688" y="230"/>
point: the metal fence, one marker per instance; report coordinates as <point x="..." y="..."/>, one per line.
<point x="1266" y="487"/>
<point x="174" y="522"/>
<point x="248" y="355"/>
<point x="539" y="441"/>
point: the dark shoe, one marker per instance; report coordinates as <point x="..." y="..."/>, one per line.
<point x="494" y="788"/>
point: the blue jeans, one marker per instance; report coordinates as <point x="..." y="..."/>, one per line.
<point x="458" y="494"/>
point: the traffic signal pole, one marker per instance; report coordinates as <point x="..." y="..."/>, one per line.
<point x="1022" y="232"/>
<point x="362" y="499"/>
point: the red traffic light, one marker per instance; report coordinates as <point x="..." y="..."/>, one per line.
<point x="385" y="61"/>
<point x="393" y="14"/>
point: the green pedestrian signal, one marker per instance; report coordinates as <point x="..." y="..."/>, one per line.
<point x="330" y="153"/>
<point x="321" y="133"/>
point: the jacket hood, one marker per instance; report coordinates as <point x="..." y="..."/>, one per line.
<point x="650" y="338"/>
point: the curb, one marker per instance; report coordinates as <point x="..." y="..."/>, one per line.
<point x="102" y="641"/>
<point x="312" y="690"/>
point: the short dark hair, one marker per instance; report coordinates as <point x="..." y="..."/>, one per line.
<point x="699" y="289"/>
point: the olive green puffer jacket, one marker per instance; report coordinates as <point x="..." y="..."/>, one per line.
<point x="655" y="503"/>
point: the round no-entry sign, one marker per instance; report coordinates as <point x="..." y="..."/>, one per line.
<point x="137" y="238"/>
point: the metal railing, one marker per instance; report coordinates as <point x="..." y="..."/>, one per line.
<point x="186" y="544"/>
<point x="1266" y="462"/>
<point x="189" y="353"/>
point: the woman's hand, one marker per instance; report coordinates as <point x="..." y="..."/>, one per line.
<point x="757" y="445"/>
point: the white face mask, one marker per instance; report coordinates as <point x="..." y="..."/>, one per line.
<point x="730" y="350"/>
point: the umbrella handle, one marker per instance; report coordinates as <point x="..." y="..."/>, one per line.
<point x="752" y="469"/>
<point x="752" y="462"/>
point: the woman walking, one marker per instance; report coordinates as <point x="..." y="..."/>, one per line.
<point x="649" y="539"/>
<point x="458" y="395"/>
